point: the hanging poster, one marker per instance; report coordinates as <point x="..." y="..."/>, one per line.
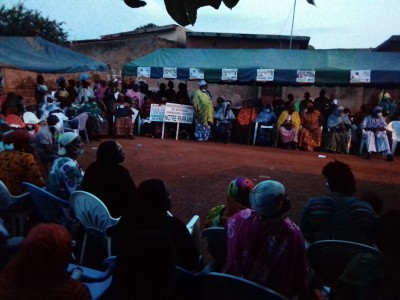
<point x="170" y="73"/>
<point x="305" y="76"/>
<point x="265" y="75"/>
<point x="360" y="76"/>
<point x="195" y="73"/>
<point x="229" y="74"/>
<point x="143" y="72"/>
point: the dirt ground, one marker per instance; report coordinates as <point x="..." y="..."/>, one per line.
<point x="198" y="173"/>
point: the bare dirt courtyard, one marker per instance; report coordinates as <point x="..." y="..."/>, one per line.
<point x="198" y="173"/>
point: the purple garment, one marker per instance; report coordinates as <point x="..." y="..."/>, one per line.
<point x="270" y="252"/>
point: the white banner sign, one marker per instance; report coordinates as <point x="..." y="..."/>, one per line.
<point x="143" y="72"/>
<point x="171" y="113"/>
<point x="170" y="73"/>
<point x="305" y="76"/>
<point x="177" y="113"/>
<point x="157" y="113"/>
<point x="360" y="76"/>
<point x="229" y="74"/>
<point x="265" y="75"/>
<point x="195" y="73"/>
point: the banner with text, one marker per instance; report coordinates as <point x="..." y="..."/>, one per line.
<point x="172" y="113"/>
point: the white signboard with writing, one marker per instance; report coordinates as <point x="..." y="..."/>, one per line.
<point x="143" y="72"/>
<point x="305" y="76"/>
<point x="157" y="113"/>
<point x="265" y="75"/>
<point x="177" y="113"/>
<point x="360" y="76"/>
<point x="170" y="72"/>
<point x="195" y="73"/>
<point x="229" y="74"/>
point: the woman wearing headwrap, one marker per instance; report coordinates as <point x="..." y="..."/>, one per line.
<point x="109" y="180"/>
<point x="266" y="248"/>
<point x="20" y="164"/>
<point x="96" y="120"/>
<point x="150" y="212"/>
<point x="38" y="271"/>
<point x="338" y="136"/>
<point x="122" y="112"/>
<point x="203" y="112"/>
<point x="237" y="198"/>
<point x="224" y="117"/>
<point x="288" y="127"/>
<point x="65" y="175"/>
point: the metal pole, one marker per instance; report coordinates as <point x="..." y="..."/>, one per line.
<point x="291" y="32"/>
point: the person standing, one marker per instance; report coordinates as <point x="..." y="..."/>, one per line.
<point x="203" y="112"/>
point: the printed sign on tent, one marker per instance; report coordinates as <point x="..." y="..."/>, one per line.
<point x="265" y="75"/>
<point x="229" y="74"/>
<point x="305" y="76"/>
<point x="157" y="113"/>
<point x="195" y="73"/>
<point x="170" y="72"/>
<point x="177" y="113"/>
<point x="143" y="72"/>
<point x="360" y="76"/>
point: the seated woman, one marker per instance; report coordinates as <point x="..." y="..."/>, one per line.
<point x="145" y="268"/>
<point x="109" y="180"/>
<point x="310" y="135"/>
<point x="122" y="112"/>
<point x="96" y="123"/>
<point x="237" y="198"/>
<point x="46" y="140"/>
<point x="246" y="117"/>
<point x="223" y="126"/>
<point x="150" y="212"/>
<point x="338" y="136"/>
<point x="38" y="270"/>
<point x="266" y="136"/>
<point x="288" y="127"/>
<point x="266" y="248"/>
<point x="65" y="175"/>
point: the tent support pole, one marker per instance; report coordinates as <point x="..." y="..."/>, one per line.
<point x="291" y="32"/>
<point x="251" y="112"/>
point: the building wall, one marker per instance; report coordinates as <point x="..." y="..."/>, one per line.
<point x="236" y="43"/>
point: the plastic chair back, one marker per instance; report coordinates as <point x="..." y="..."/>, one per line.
<point x="220" y="286"/>
<point x="49" y="207"/>
<point x="394" y="126"/>
<point x="193" y="227"/>
<point x="82" y="119"/>
<point x="329" y="258"/>
<point x="94" y="216"/>
<point x="216" y="244"/>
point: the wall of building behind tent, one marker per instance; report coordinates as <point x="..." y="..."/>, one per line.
<point x="23" y="83"/>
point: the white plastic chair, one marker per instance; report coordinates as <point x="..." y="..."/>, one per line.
<point x="82" y="119"/>
<point x="394" y="127"/>
<point x="94" y="216"/>
<point x="17" y="217"/>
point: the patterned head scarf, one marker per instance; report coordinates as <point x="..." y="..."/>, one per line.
<point x="264" y="196"/>
<point x="239" y="189"/>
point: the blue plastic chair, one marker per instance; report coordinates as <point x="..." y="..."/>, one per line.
<point x="49" y="207"/>
<point x="220" y="286"/>
<point x="7" y="204"/>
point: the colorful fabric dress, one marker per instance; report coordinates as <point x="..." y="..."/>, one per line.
<point x="123" y="125"/>
<point x="96" y="121"/>
<point x="203" y="115"/>
<point x="270" y="252"/>
<point x="310" y="135"/>
<point x="288" y="126"/>
<point x="338" y="137"/>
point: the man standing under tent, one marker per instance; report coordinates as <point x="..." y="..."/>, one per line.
<point x="203" y="112"/>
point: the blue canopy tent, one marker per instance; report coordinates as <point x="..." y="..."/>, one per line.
<point x="38" y="55"/>
<point x="271" y="66"/>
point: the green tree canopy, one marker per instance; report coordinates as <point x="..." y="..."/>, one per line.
<point x="20" y="21"/>
<point x="149" y="25"/>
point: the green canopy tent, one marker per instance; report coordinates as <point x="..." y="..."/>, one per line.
<point x="38" y="55"/>
<point x="271" y="66"/>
